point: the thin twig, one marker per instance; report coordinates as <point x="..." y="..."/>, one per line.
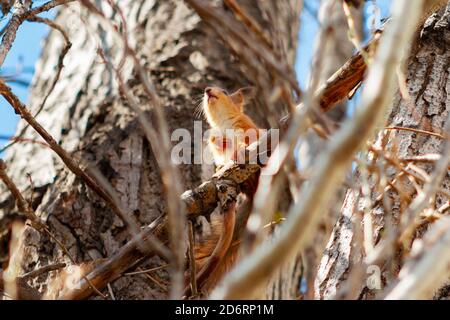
<point x="46" y="7"/>
<point x="409" y="218"/>
<point x="13" y="25"/>
<point x="155" y="281"/>
<point x="24" y="140"/>
<point x="44" y="269"/>
<point x="434" y="134"/>
<point x="146" y="270"/>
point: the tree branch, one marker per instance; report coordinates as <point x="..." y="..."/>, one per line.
<point x="10" y="32"/>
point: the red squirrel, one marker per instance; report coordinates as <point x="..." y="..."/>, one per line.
<point x="232" y="130"/>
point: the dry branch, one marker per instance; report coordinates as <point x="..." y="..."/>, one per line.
<point x="125" y="258"/>
<point x="44" y="269"/>
<point x="341" y="84"/>
<point x="11" y="30"/>
<point x="46" y="7"/>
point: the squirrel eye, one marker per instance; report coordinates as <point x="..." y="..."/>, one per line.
<point x="225" y="92"/>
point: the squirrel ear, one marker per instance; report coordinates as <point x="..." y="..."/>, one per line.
<point x="243" y="95"/>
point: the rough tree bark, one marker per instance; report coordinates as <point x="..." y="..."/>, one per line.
<point x="89" y="118"/>
<point x="427" y="73"/>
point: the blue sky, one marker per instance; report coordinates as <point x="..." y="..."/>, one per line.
<point x="28" y="44"/>
<point x="23" y="56"/>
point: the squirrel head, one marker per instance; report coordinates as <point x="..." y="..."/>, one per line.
<point x="219" y="100"/>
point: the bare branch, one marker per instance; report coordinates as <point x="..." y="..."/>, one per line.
<point x="46" y="7"/>
<point x="410" y="216"/>
<point x="13" y="25"/>
<point x="23" y="11"/>
<point x="44" y="269"/>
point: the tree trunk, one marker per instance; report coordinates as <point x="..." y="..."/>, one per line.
<point x="428" y="108"/>
<point x="88" y="117"/>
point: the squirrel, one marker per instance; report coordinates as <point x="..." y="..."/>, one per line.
<point x="232" y="131"/>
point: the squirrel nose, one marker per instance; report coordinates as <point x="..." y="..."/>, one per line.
<point x="208" y="90"/>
